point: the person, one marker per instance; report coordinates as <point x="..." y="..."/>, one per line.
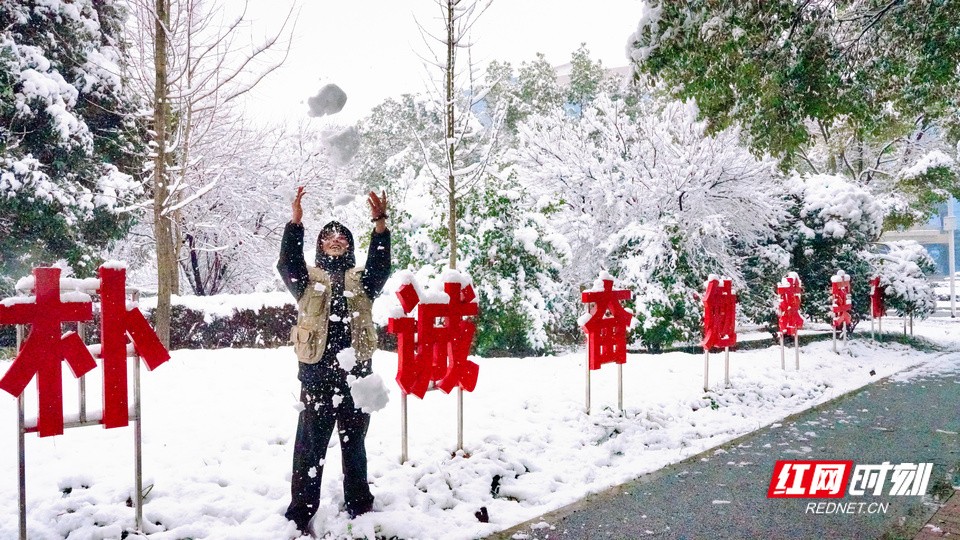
<point x="334" y="301"/>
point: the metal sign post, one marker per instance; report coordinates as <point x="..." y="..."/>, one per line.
<point x="21" y="452"/>
<point x="706" y="370"/>
<point x="588" y="387"/>
<point x="783" y="362"/>
<point x="82" y="421"/>
<point x="726" y="366"/>
<point x="403" y="427"/>
<point x="796" y="348"/>
<point x="620" y="387"/>
<point x="459" y="418"/>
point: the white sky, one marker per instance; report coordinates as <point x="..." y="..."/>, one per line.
<point x="370" y="48"/>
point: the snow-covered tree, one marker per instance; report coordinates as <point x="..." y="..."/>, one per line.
<point x="644" y="191"/>
<point x="857" y="88"/>
<point x="191" y="59"/>
<point x="231" y="234"/>
<point x="832" y="223"/>
<point x="457" y="161"/>
<point x="69" y="150"/>
<point x="904" y="271"/>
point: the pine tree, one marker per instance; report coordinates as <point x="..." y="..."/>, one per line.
<point x="70" y="155"/>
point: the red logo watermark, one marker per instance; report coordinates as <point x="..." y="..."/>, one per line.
<point x="814" y="479"/>
<point x="823" y="479"/>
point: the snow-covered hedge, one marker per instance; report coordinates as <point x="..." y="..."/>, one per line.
<point x="230" y="320"/>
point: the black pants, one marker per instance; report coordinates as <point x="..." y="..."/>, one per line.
<point x="316" y="424"/>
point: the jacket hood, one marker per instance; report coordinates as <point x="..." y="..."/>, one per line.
<point x="344" y="262"/>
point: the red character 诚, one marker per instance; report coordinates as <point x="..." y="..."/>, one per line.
<point x="433" y="348"/>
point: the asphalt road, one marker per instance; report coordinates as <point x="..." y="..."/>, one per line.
<point x="723" y="493"/>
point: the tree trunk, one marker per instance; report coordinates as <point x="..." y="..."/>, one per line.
<point x="451" y="152"/>
<point x="166" y="252"/>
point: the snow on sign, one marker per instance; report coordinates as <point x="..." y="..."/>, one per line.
<point x="433" y="347"/>
<point x="44" y="349"/>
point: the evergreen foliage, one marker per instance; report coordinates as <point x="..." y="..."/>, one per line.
<point x="70" y="148"/>
<point x="854" y="87"/>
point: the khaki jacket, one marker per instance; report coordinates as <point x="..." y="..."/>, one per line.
<point x="309" y="336"/>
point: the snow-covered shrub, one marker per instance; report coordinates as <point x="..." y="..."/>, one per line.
<point x="515" y="261"/>
<point x="507" y="246"/>
<point x="832" y="222"/>
<point x="241" y="321"/>
<point x="764" y="265"/>
<point x="903" y="272"/>
<point x="665" y="283"/>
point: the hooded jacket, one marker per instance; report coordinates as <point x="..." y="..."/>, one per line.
<point x="334" y="298"/>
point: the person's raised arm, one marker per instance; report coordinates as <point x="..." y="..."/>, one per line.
<point x="377" y="269"/>
<point x="292" y="266"/>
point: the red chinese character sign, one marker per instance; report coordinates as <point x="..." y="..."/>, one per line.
<point x="840" y="290"/>
<point x="433" y="347"/>
<point x="790" y="290"/>
<point x="877" y="307"/>
<point x="719" y="313"/>
<point x="719" y="323"/>
<point x="116" y="323"/>
<point x="44" y="349"/>
<point x="606" y="325"/>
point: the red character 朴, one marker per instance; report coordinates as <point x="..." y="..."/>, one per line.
<point x="45" y="348"/>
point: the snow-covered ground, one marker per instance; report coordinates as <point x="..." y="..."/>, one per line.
<point x="218" y="431"/>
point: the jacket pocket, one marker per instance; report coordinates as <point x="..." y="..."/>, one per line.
<point x="305" y="344"/>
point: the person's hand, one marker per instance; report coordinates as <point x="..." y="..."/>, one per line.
<point x="297" y="207"/>
<point x="378" y="210"/>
